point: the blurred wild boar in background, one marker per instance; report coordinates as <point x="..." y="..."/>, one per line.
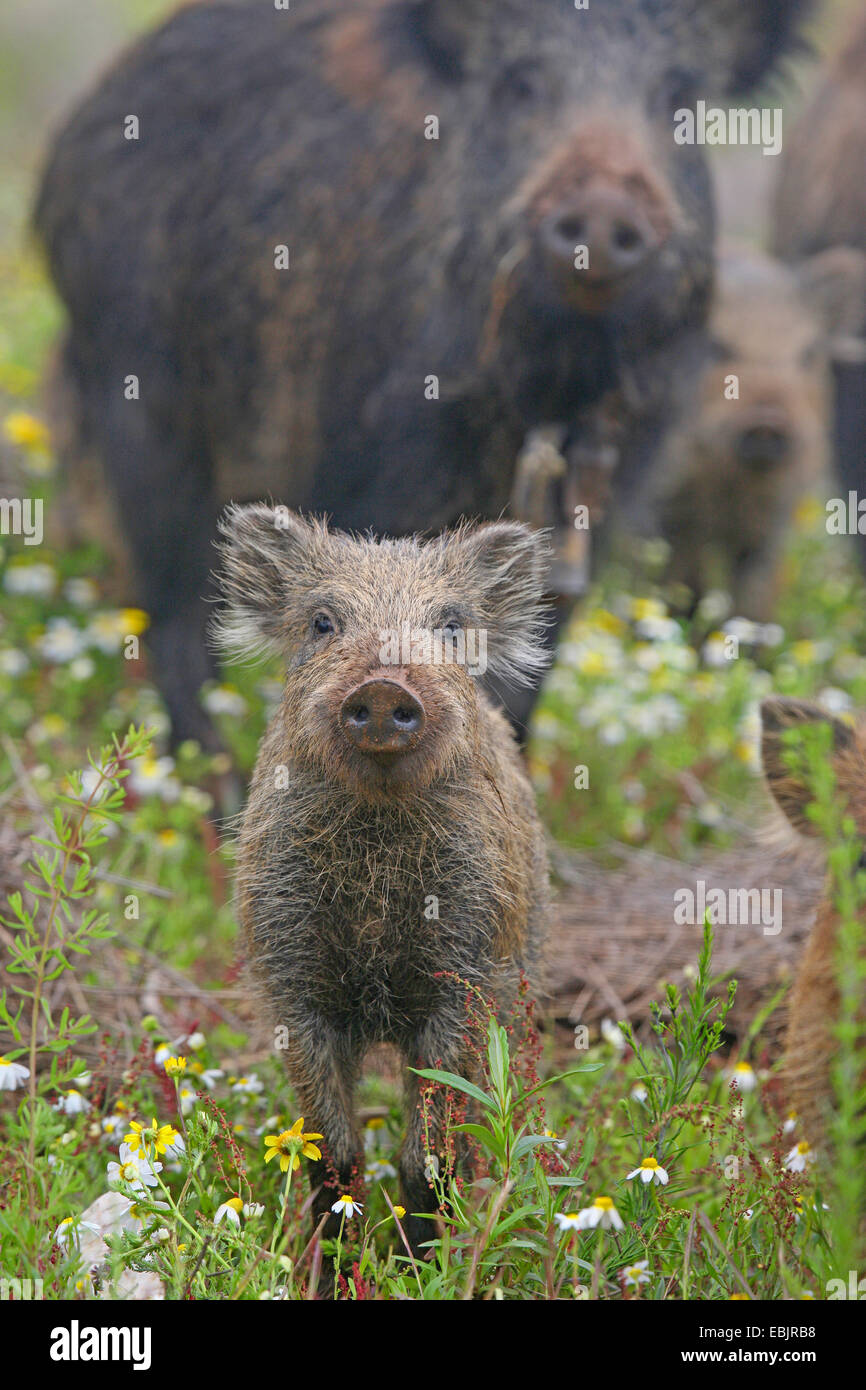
<point x="757" y="437"/>
<point x="330" y="256"/>
<point x="820" y="202"/>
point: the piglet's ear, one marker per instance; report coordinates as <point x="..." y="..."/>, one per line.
<point x="504" y="567"/>
<point x="266" y="553"/>
<point x="778" y="716"/>
<point x="833" y="284"/>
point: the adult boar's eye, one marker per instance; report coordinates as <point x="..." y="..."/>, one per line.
<point x="521" y="83"/>
<point x="451" y="627"/>
<point x="322" y="625"/>
<point x="678" y="89"/>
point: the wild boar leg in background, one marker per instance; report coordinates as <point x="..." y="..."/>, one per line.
<point x="163" y="490"/>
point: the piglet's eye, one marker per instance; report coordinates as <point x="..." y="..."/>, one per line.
<point x="322" y="625"/>
<point x="451" y="627"/>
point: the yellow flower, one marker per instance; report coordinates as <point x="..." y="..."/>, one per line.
<point x="175" y="1066"/>
<point x="26" y="431"/>
<point x="134" y="621"/>
<point x="608" y="622"/>
<point x="642" y="608"/>
<point x="290" y="1145"/>
<point x="803" y="652"/>
<point x="592" y="663"/>
<point x="809" y="512"/>
<point x="399" y="1212"/>
<point x="154" y="1136"/>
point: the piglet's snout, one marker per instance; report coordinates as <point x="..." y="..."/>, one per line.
<point x="383" y="718"/>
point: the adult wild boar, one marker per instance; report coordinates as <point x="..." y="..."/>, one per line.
<point x="330" y="253"/>
<point x="820" y="202"/>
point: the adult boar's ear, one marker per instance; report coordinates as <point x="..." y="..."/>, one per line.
<point x="778" y="715"/>
<point x="503" y="569"/>
<point x="751" y="36"/>
<point x="266" y="552"/>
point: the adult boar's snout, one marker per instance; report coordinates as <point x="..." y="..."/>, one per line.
<point x="610" y="222"/>
<point x="383" y="718"/>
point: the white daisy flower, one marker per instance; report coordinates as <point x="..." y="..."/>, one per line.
<point x="650" y="1170"/>
<point x="38" y="581"/>
<point x="247" y="1085"/>
<point x="253" y="1209"/>
<point x="133" y="1169"/>
<point x="224" y="699"/>
<point x="177" y="1148"/>
<point x="230" y="1212"/>
<point x="89" y="780"/>
<point x="744" y="630"/>
<point x="62" y="641"/>
<point x="153" y="777"/>
<point x="70" y="1228"/>
<point x="602" y="1213"/>
<point x="72" y="1102"/>
<point x="187" y="1097"/>
<point x="13" y="662"/>
<point x="81" y="592"/>
<point x="379" y="1168"/>
<point x="800" y="1157"/>
<point x="790" y="1122"/>
<point x="715" y="606"/>
<point x="743" y="1076"/>
<point x="12" y="1075"/>
<point x="558" y="1144"/>
<point x="346" y="1205"/>
<point x="568" y="1220"/>
<point x="639" y="1093"/>
<point x="636" y="1274"/>
<point x="834" y="701"/>
<point x="772" y="635"/>
<point x="612" y="1034"/>
<point x="714" y="652"/>
<point x="81" y="669"/>
<point x="209" y="1077"/>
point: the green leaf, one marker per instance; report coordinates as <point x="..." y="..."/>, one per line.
<point x="456" y="1083"/>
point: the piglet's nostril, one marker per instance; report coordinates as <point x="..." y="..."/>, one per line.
<point x="383" y="718"/>
<point x="406" y="716"/>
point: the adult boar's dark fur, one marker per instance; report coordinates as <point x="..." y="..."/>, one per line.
<point x="408" y="258"/>
<point x="345" y="843"/>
